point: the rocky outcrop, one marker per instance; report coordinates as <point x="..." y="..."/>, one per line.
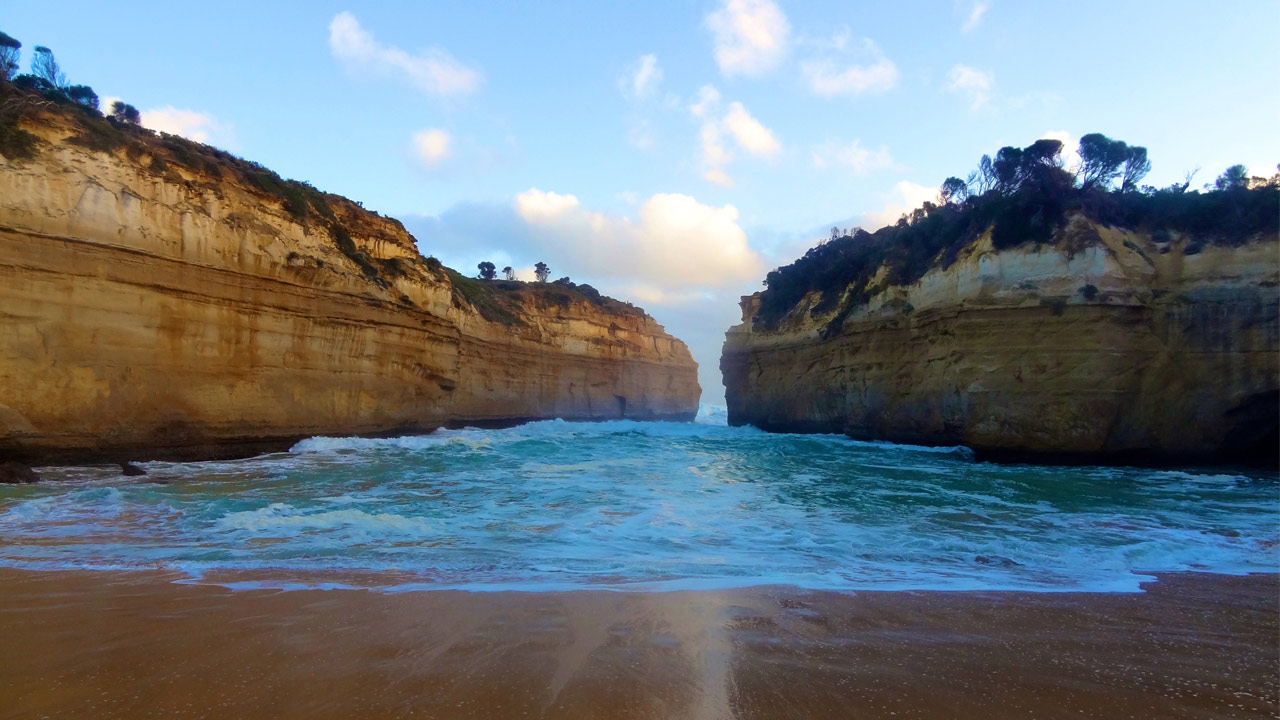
<point x="155" y="304"/>
<point x="1104" y="345"/>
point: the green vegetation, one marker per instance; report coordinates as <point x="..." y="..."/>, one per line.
<point x="122" y="113"/>
<point x="504" y="300"/>
<point x="494" y="304"/>
<point x="1021" y="196"/>
<point x="45" y="90"/>
<point x="593" y="296"/>
<point x="10" y="51"/>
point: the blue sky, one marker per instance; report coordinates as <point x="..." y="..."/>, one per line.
<point x="671" y="153"/>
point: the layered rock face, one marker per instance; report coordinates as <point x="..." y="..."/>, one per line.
<point x="155" y="310"/>
<point x="1104" y="346"/>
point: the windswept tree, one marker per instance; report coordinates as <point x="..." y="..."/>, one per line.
<point x="83" y="95"/>
<point x="487" y="270"/>
<point x="123" y="113"/>
<point x="953" y="190"/>
<point x="1136" y="166"/>
<point x="984" y="180"/>
<point x="1007" y="167"/>
<point x="1045" y="152"/>
<point x="542" y="271"/>
<point x="509" y="273"/>
<point x="1100" y="160"/>
<point x="1236" y="177"/>
<point x="10" y="52"/>
<point x="45" y="66"/>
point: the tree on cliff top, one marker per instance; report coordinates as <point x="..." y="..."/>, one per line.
<point x="508" y="273"/>
<point x="45" y="67"/>
<point x="541" y="271"/>
<point x="487" y="270"/>
<point x="83" y="95"/>
<point x="10" y="51"/>
<point x="953" y="190"/>
<point x="1236" y="177"/>
<point x="1136" y="167"/>
<point x="123" y="113"/>
<point x="1100" y="160"/>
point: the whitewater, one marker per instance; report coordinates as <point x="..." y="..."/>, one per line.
<point x="644" y="506"/>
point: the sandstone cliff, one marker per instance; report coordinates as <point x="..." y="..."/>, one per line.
<point x="155" y="304"/>
<point x="1102" y="345"/>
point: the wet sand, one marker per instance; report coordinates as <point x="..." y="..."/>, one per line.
<point x="134" y="645"/>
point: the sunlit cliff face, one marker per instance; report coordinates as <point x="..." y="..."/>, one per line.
<point x="165" y="310"/>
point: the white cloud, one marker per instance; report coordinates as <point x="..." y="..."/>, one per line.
<point x="433" y="71"/>
<point x="674" y="244"/>
<point x="749" y="133"/>
<point x="713" y="153"/>
<point x="853" y="156"/>
<point x="432" y="146"/>
<point x="708" y="101"/>
<point x="190" y="124"/>
<point x="751" y="36"/>
<point x="906" y="196"/>
<point x="974" y="83"/>
<point x="718" y="177"/>
<point x="1070" y="148"/>
<point x="736" y="121"/>
<point x="976" y="11"/>
<point x="828" y="79"/>
<point x="643" y="79"/>
<point x="535" y="205"/>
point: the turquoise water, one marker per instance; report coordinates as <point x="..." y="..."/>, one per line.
<point x="645" y="506"/>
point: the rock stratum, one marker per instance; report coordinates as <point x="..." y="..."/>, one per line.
<point x="155" y="304"/>
<point x="1101" y="345"/>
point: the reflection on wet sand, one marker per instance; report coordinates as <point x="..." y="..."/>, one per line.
<point x="134" y="645"/>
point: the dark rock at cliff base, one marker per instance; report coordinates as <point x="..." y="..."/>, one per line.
<point x="17" y="473"/>
<point x="128" y="469"/>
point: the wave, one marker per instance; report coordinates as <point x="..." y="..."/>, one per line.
<point x="283" y="518"/>
<point x="647" y="505"/>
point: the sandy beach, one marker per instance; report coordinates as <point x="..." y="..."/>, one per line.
<point x="135" y="645"/>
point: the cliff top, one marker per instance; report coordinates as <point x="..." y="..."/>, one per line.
<point x="34" y="117"/>
<point x="1024" y="196"/>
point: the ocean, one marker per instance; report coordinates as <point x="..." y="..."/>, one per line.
<point x="642" y="506"/>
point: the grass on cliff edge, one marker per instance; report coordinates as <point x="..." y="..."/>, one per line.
<point x="503" y="301"/>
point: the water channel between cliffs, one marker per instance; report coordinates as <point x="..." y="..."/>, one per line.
<point x="642" y="506"/>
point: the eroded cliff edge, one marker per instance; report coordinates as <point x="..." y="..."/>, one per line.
<point x="1100" y="345"/>
<point x="156" y="303"/>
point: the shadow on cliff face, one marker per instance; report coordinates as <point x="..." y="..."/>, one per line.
<point x="1255" y="433"/>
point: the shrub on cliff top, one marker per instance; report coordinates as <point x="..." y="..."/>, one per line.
<point x="10" y="52"/>
<point x="1022" y="196"/>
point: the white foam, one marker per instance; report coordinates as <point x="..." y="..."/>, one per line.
<point x="712" y="414"/>
<point x="280" y="517"/>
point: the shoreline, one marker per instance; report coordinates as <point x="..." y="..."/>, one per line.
<point x="128" y="644"/>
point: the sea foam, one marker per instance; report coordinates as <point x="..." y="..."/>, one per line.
<point x="645" y="506"/>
